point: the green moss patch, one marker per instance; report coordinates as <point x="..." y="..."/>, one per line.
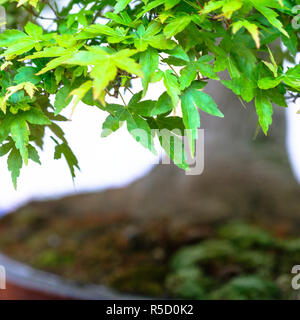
<point x="236" y="260"/>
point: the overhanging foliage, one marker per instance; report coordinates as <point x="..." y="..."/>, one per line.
<point x="99" y="50"/>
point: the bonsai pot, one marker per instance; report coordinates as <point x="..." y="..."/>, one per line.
<point x="41" y="285"/>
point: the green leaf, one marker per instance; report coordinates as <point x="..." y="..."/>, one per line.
<point x="150" y="6"/>
<point x="204" y="102"/>
<point x="81" y="92"/>
<point x="157" y="76"/>
<point x="123" y="18"/>
<point x="150" y="108"/>
<point x="173" y="146"/>
<point x="62" y="99"/>
<point x="36" y="116"/>
<point x="5" y="128"/>
<point x="206" y="70"/>
<point x="143" y="108"/>
<point x="247" y="89"/>
<point x="251" y="27"/>
<point x="100" y="81"/>
<point x="152" y="37"/>
<point x="20" y="134"/>
<point x="111" y="124"/>
<point x="27" y="74"/>
<point x="230" y="6"/>
<point x="177" y="25"/>
<point x="172" y="86"/>
<point x="276" y="97"/>
<point x="64" y="150"/>
<point x="270" y="15"/>
<point x="234" y="85"/>
<point x="123" y="61"/>
<point x="242" y="87"/>
<point x="121" y="5"/>
<point x="105" y="66"/>
<point x="140" y="131"/>
<point x="33" y="154"/>
<point x="292" y="77"/>
<point x="179" y="53"/>
<point x="116" y="35"/>
<point x="188" y="75"/>
<point x="171" y="123"/>
<point x="149" y="61"/>
<point x="292" y="42"/>
<point x="264" y="111"/>
<point x="14" y="164"/>
<point x="191" y="117"/>
<point x="5" y="148"/>
<point x="190" y="100"/>
<point x="169" y="4"/>
<point x="268" y="82"/>
<point x="212" y="6"/>
<point x="11" y="36"/>
<point x="33" y="30"/>
<point x="163" y="105"/>
<point x="50" y="83"/>
<point x="20" y="47"/>
<point x="135" y="98"/>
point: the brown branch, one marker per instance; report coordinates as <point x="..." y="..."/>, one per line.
<point x="31" y="11"/>
<point x="199" y="4"/>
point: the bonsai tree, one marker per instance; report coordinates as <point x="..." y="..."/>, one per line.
<point x="93" y="50"/>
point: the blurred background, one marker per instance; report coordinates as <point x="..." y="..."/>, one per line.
<point x="146" y="229"/>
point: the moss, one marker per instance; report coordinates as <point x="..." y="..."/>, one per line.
<point x="246" y="235"/>
<point x="53" y="259"/>
<point x="255" y="261"/>
<point x="188" y="283"/>
<point x="205" y="251"/>
<point x="143" y="279"/>
<point x="237" y="260"/>
<point x="245" y="262"/>
<point x="247" y="288"/>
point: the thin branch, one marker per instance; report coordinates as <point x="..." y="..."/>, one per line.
<point x="111" y="95"/>
<point x="199" y="4"/>
<point x="29" y="10"/>
<point x="97" y="15"/>
<point x="52" y="8"/>
<point x="129" y="90"/>
<point x="122" y="99"/>
<point x="170" y="67"/>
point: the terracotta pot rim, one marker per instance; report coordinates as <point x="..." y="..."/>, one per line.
<point x="29" y="278"/>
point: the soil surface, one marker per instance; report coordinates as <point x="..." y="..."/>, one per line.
<point x="112" y="249"/>
<point x="158" y="258"/>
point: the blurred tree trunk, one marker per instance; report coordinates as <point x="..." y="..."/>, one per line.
<point x="243" y="177"/>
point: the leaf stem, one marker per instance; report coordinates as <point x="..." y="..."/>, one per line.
<point x="129" y="90"/>
<point x="52" y="8"/>
<point x="170" y="67"/>
<point x="122" y="99"/>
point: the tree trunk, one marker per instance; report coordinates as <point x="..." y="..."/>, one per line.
<point x="242" y="178"/>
